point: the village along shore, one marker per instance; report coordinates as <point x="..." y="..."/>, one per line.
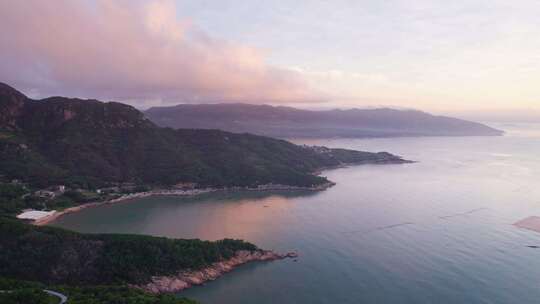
<point x="41" y="218"/>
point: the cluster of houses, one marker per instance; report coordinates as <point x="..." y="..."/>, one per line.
<point x="51" y="192"/>
<point x="120" y="188"/>
<point x="47" y="193"/>
<point x="318" y="149"/>
<point x="54" y="191"/>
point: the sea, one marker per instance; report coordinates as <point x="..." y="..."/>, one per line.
<point x="439" y="230"/>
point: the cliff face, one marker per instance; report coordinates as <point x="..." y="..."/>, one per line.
<point x="88" y="143"/>
<point x="11" y="106"/>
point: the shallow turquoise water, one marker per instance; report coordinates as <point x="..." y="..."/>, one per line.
<point x="437" y="231"/>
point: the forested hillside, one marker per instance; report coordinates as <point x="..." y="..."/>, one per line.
<point x="88" y="143"/>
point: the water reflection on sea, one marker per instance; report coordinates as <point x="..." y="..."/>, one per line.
<point x="436" y="231"/>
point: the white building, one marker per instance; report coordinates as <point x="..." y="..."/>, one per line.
<point x="34" y="214"/>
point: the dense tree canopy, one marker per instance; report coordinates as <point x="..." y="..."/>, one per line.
<point x="54" y="255"/>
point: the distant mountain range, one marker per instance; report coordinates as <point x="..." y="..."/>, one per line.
<point x="287" y="122"/>
<point x="88" y="143"/>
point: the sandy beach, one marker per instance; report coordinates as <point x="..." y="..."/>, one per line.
<point x="53" y="216"/>
<point x="267" y="187"/>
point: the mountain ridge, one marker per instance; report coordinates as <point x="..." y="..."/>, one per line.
<point x="289" y="122"/>
<point x="59" y="140"/>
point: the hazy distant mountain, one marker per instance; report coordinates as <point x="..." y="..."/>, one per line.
<point x="287" y="122"/>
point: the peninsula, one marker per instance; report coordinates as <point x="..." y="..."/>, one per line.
<point x="153" y="264"/>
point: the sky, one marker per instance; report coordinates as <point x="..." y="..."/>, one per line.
<point x="441" y="56"/>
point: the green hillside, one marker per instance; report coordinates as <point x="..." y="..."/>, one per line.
<point x="88" y="144"/>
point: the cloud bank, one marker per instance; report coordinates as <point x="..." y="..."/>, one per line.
<point x="132" y="51"/>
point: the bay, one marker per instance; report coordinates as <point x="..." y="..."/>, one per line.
<point x="439" y="230"/>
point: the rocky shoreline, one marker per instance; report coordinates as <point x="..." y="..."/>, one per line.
<point x="189" y="278"/>
<point x="173" y="192"/>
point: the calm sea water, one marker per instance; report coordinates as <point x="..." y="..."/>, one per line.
<point x="437" y="231"/>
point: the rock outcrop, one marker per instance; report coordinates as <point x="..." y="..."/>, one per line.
<point x="11" y="106"/>
<point x="189" y="278"/>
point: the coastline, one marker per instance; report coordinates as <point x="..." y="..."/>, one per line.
<point x="192" y="192"/>
<point x="397" y="161"/>
<point x="170" y="192"/>
<point x="189" y="278"/>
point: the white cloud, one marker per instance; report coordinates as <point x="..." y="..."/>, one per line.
<point x="130" y="50"/>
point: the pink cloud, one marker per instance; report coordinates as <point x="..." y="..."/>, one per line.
<point x="127" y="50"/>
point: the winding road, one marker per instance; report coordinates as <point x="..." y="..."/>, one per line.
<point x="63" y="298"/>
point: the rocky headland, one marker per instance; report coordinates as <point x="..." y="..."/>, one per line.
<point x="189" y="278"/>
